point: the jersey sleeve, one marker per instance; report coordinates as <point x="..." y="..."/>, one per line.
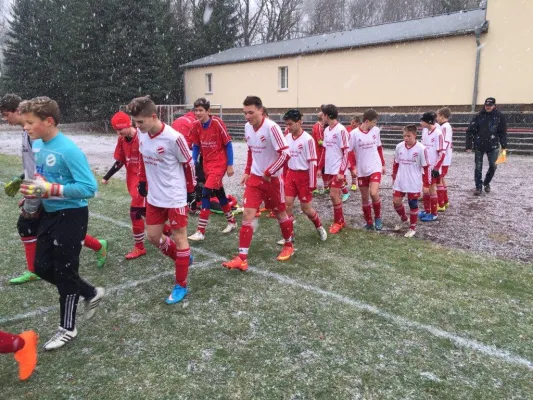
<point x="378" y="137"/>
<point x="119" y="152"/>
<point x="183" y="154"/>
<point x="224" y="135"/>
<point x="84" y="185"/>
<point x="277" y="139"/>
<point x="194" y="137"/>
<point x="310" y="150"/>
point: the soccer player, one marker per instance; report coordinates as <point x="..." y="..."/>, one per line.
<point x="64" y="182"/>
<point x="127" y="153"/>
<point x="409" y="171"/>
<point x="210" y="137"/>
<point x="27" y="224"/>
<point x="267" y="153"/>
<point x="355" y="122"/>
<point x="184" y="125"/>
<point x="318" y="136"/>
<point x="433" y="141"/>
<point x="24" y="346"/>
<point x="365" y="141"/>
<point x="443" y="115"/>
<point x="300" y="180"/>
<point x="166" y="176"/>
<point x="334" y="160"/>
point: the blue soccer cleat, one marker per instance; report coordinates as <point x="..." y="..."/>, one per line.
<point x="177" y="295"/>
<point x="378" y="224"/>
<point x="422" y="214"/>
<point x="345" y="197"/>
<point x="429" y="218"/>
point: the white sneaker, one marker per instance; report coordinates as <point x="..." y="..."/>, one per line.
<point x="403" y="225"/>
<point x="281" y="242"/>
<point x="410" y="233"/>
<point x="229" y="228"/>
<point x="322" y="232"/>
<point x="91" y="304"/>
<point x="60" y="338"/>
<point x="197" y="236"/>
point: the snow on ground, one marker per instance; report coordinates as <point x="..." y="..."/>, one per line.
<point x="498" y="224"/>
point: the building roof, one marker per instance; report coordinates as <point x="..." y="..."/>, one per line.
<point x="459" y="23"/>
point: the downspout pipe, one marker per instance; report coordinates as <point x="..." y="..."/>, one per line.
<point x="480" y="29"/>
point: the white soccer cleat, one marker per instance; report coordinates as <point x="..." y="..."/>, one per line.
<point x="91" y="304"/>
<point x="281" y="242"/>
<point x="410" y="233"/>
<point x="197" y="236"/>
<point x="60" y="338"/>
<point x="322" y="232"/>
<point x="229" y="228"/>
<point x="403" y="225"/>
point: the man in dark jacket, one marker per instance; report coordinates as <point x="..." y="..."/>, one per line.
<point x="487" y="131"/>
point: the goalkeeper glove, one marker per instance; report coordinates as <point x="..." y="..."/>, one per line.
<point x="142" y="189"/>
<point x="11" y="188"/>
<point x="32" y="188"/>
<point x="435" y="173"/>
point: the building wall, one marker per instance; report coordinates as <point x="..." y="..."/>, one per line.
<point x="506" y="69"/>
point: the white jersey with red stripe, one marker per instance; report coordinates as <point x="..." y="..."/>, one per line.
<point x="302" y="150"/>
<point x="335" y="145"/>
<point x="447" y="134"/>
<point x="164" y="155"/>
<point x="266" y="144"/>
<point x="411" y="162"/>
<point x="434" y="143"/>
<point x="365" y="146"/>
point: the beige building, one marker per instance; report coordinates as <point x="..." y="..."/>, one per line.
<point x="403" y="65"/>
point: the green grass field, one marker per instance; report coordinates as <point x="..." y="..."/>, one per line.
<point x="361" y="316"/>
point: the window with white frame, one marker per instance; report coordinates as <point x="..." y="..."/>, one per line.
<point x="208" y="83"/>
<point x="283" y="80"/>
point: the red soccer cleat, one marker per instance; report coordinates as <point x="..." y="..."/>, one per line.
<point x="236" y="263"/>
<point x="286" y="253"/>
<point x="27" y="356"/>
<point x="336" y="228"/>
<point x="135" y="253"/>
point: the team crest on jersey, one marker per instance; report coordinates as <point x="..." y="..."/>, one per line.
<point x="415" y="156"/>
<point x="263" y="138"/>
<point x="334" y="136"/>
<point x="300" y="147"/>
<point x="374" y="137"/>
<point x="50" y="160"/>
<point x="160" y="150"/>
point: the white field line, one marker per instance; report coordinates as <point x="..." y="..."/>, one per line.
<point x="112" y="289"/>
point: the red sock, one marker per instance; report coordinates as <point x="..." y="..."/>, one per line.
<point x="434" y="203"/>
<point x="286" y="230"/>
<point x="413" y="217"/>
<point x="446" y="201"/>
<point x="367" y="213"/>
<point x="344" y="188"/>
<point x="202" y="221"/>
<point x="229" y="214"/>
<point x="182" y="266"/>
<point x="377" y="208"/>
<point x="315" y="220"/>
<point x="440" y="196"/>
<point x="10" y="343"/>
<point x="166" y="230"/>
<point x="245" y="239"/>
<point x="401" y="212"/>
<point x="338" y="215"/>
<point x="168" y="248"/>
<point x="138" y="232"/>
<point x="30" y="243"/>
<point x="92" y="243"/>
<point x="427" y="203"/>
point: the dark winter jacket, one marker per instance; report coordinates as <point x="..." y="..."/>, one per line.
<point x="487" y="131"/>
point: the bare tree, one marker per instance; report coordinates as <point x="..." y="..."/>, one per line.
<point x="282" y="20"/>
<point x="326" y="16"/>
<point x="250" y="17"/>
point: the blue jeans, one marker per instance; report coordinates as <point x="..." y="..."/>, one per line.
<point x="492" y="156"/>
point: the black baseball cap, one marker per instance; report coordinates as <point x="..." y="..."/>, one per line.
<point x="429" y="117"/>
<point x="491" y="101"/>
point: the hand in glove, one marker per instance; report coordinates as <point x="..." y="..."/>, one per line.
<point x="38" y="188"/>
<point x="11" y="188"/>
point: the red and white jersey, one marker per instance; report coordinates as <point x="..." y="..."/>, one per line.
<point x="303" y="155"/>
<point x="336" y="148"/>
<point x="268" y="148"/>
<point x="212" y="141"/>
<point x="365" y="146"/>
<point x="411" y="162"/>
<point x="434" y="143"/>
<point x="127" y="153"/>
<point x="164" y="155"/>
<point x="447" y="134"/>
<point x="183" y="125"/>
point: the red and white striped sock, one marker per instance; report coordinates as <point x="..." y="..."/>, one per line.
<point x="229" y="214"/>
<point x="401" y="212"/>
<point x="245" y="239"/>
<point x="315" y="220"/>
<point x="367" y="213"/>
<point x="203" y="219"/>
<point x="338" y="214"/>
<point x="168" y="247"/>
<point x="182" y="266"/>
<point x="413" y="218"/>
<point x="138" y="233"/>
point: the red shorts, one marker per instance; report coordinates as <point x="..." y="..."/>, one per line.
<point x="214" y="179"/>
<point x="443" y="171"/>
<point x="297" y="184"/>
<point x="364" y="181"/>
<point x="258" y="190"/>
<point x="177" y="217"/>
<point x="332" y="182"/>
<point x="410" y="196"/>
<point x="351" y="160"/>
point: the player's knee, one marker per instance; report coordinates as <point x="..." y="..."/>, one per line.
<point x="136" y="213"/>
<point x="397" y="201"/>
<point x="413" y="204"/>
<point x="206" y="197"/>
<point x="221" y="195"/>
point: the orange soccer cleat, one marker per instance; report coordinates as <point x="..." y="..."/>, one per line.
<point x="236" y="263"/>
<point x="336" y="228"/>
<point x="286" y="253"/>
<point x="135" y="253"/>
<point x="27" y="356"/>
